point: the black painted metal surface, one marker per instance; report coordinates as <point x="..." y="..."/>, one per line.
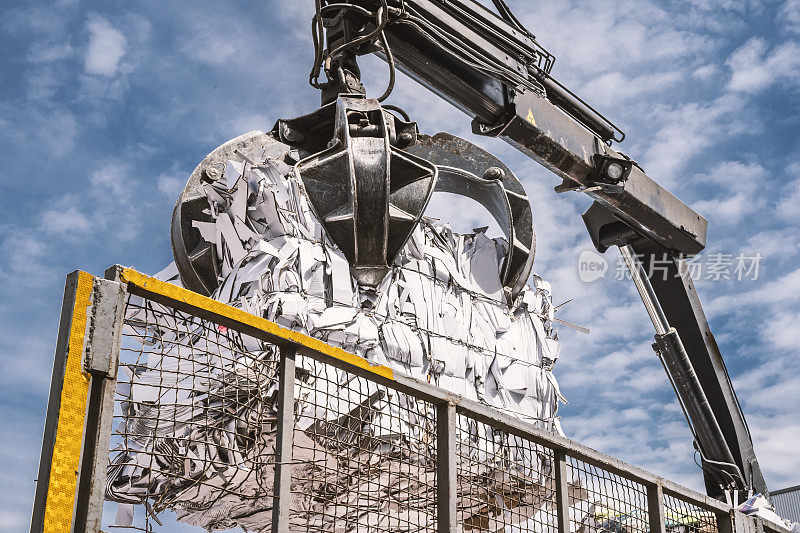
<point x="369" y="194"/>
<point x="681" y="304"/>
<point x="369" y="177"/>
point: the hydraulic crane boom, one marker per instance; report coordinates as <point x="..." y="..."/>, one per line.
<point x="489" y="66"/>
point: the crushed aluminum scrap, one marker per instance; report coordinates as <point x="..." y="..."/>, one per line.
<point x="440" y="315"/>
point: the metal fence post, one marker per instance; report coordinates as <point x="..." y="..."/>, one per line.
<point x="101" y="357"/>
<point x="562" y="491"/>
<point x="446" y="473"/>
<point x="66" y="331"/>
<point x="655" y="508"/>
<point x="725" y="522"/>
<point x="282" y="499"/>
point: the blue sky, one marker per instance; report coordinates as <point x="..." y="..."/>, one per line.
<point x="106" y="107"/>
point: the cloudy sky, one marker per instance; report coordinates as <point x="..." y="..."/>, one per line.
<point x="106" y="107"/>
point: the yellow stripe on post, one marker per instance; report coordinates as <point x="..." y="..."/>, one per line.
<point x="199" y="301"/>
<point x="63" y="480"/>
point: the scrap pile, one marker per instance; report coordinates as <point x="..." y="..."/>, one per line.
<point x="439" y="316"/>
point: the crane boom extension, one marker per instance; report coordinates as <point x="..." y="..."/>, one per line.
<point x="493" y="69"/>
<point x="554" y="136"/>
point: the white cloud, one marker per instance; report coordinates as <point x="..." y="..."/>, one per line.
<point x="49" y="52"/>
<point x="736" y="185"/>
<point x="688" y="130"/>
<point x="68" y="221"/>
<point x="33" y="19"/>
<point x="783" y="333"/>
<point x="602" y="32"/>
<point x="61" y="131"/>
<point x="727" y="211"/>
<point x="211" y="49"/>
<point x="109" y="199"/>
<point x="26" y="372"/>
<point x="789" y="15"/>
<point x="635" y="414"/>
<point x="12" y="519"/>
<point x="24" y="258"/>
<point x="170" y="185"/>
<point x="613" y="88"/>
<point x="44" y="83"/>
<point x="777" y="244"/>
<point x="51" y="129"/>
<point x="110" y="179"/>
<point x="789" y="201"/>
<point x="771" y="397"/>
<point x="782" y="289"/>
<point x="775" y="442"/>
<point x="735" y="176"/>
<point x="245" y="123"/>
<point x="755" y="67"/>
<point x="106" y="47"/>
<point x="789" y="198"/>
<point x="706" y="72"/>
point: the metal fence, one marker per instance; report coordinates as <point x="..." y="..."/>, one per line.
<point x="229" y="420"/>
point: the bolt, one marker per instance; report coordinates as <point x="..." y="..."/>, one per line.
<point x="213" y="172"/>
<point x="405" y="138"/>
<point x="494" y="173"/>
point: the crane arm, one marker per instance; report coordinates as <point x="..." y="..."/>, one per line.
<point x="491" y="68"/>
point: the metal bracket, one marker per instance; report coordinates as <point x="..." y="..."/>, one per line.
<point x="104" y="328"/>
<point x="606" y="229"/>
<point x="497" y="189"/>
<point x="611" y="171"/>
<point x="368" y="194"/>
<point x="346" y="184"/>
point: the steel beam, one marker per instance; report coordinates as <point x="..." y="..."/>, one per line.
<point x="101" y="356"/>
<point x="655" y="508"/>
<point x="562" y="491"/>
<point x="282" y="498"/>
<point x="446" y="469"/>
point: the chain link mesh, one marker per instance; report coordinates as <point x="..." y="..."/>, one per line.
<point x="195" y="424"/>
<point x="609" y="502"/>
<point x="683" y="517"/>
<point x="367" y="452"/>
<point x="504" y="481"/>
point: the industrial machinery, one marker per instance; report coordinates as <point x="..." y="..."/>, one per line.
<point x="369" y="175"/>
<point x="311" y="391"/>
